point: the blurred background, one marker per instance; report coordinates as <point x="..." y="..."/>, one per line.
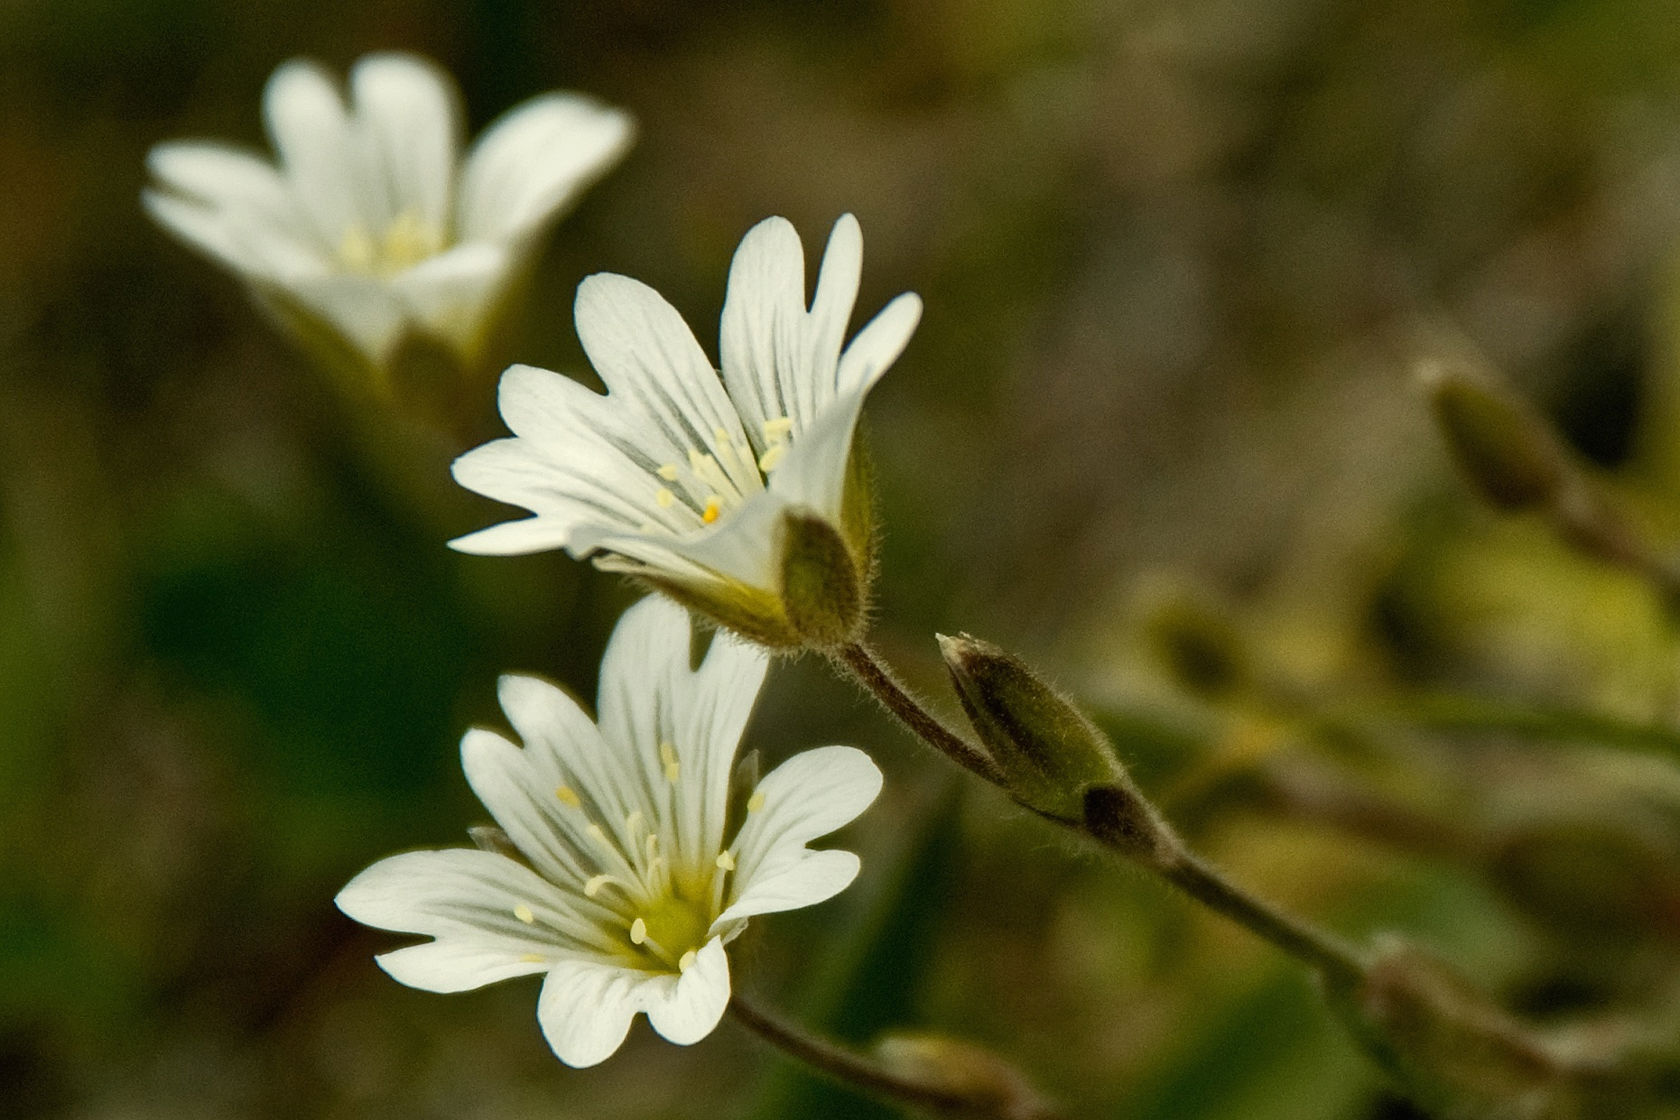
<point x="1158" y="432"/>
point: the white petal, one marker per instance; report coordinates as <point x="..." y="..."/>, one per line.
<point x="762" y="320"/>
<point x="310" y="128"/>
<point x="810" y="795"/>
<point x="227" y="179"/>
<point x="878" y="345"/>
<point x="585" y="1009"/>
<point x="739" y="547"/>
<point x="649" y="360"/>
<point x="453" y="292"/>
<point x="407" y="116"/>
<point x="691" y="1008"/>
<point x="551" y="722"/>
<point x="469" y="901"/>
<point x="813" y="472"/>
<point x="831" y="307"/>
<point x="518" y="787"/>
<point x="205" y="230"/>
<point x="790" y="884"/>
<point x="514" y="538"/>
<point x="365" y="311"/>
<point x="534" y="161"/>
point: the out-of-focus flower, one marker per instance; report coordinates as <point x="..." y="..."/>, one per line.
<point x="740" y="497"/>
<point x="371" y="227"/>
<point x="635" y="868"/>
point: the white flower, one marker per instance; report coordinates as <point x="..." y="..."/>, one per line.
<point x="636" y="868"/>
<point x="371" y="224"/>
<point x="682" y="479"/>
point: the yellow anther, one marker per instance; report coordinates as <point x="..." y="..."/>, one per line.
<point x="652" y="847"/>
<point x="668" y="759"/>
<point x="599" y="835"/>
<point x="523" y="913"/>
<point x="596" y="882"/>
<point x="408" y="240"/>
<point x="664" y="498"/>
<point x="532" y="958"/>
<point x="686" y="960"/>
<point x="755" y="802"/>
<point x="566" y="795"/>
<point x="668" y="472"/>
<point x="634" y="822"/>
<point x="714" y="506"/>
<point x="777" y="430"/>
<point x="772" y="458"/>
<point x="721" y="435"/>
<point x="725" y="861"/>
<point x="357" y="250"/>
<point x="638" y="932"/>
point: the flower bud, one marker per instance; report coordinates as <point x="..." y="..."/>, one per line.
<point x="1503" y="447"/>
<point x="821" y="586"/>
<point x="1453" y="1050"/>
<point x="1053" y="759"/>
<point x="963" y="1071"/>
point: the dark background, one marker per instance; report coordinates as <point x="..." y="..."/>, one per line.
<point x="1178" y="261"/>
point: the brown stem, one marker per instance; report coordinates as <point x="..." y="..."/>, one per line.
<point x="856" y="1071"/>
<point x="868" y="670"/>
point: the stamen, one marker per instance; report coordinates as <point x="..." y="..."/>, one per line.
<point x="686" y="960"/>
<point x="668" y="758"/>
<point x="714" y="507"/>
<point x="597" y="882"/>
<point x="664" y="498"/>
<point x="777" y="429"/>
<point x="357" y="250"/>
<point x="668" y="472"/>
<point x="566" y="795"/>
<point x="755" y="802"/>
<point x="638" y="932"/>
<point x="772" y="458"/>
<point x="532" y="958"/>
<point x="725" y="861"/>
<point x="523" y="913"/>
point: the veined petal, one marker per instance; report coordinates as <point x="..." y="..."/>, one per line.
<point x="453" y="292"/>
<point x="689" y="1010"/>
<point x="759" y="332"/>
<point x="551" y="722"/>
<point x="518" y="787"/>
<point x="407" y="114"/>
<point x="585" y="1009"/>
<point x="649" y="359"/>
<point x="472" y="902"/>
<point x="831" y="306"/>
<point x="810" y="795"/>
<point x="813" y="472"/>
<point x="310" y="128"/>
<point x="535" y="160"/>
<point x="514" y="538"/>
<point x="738" y="548"/>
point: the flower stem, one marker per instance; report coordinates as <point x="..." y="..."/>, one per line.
<point x="1338" y="962"/>
<point x="862" y="664"/>
<point x="856" y="1071"/>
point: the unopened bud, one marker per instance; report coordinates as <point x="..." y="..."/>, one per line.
<point x="1454" y="1051"/>
<point x="973" y="1078"/>
<point x="1053" y="759"/>
<point x="821" y="582"/>
<point x="1500" y="443"/>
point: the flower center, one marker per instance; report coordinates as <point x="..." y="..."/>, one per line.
<point x="407" y="241"/>
<point x="709" y="486"/>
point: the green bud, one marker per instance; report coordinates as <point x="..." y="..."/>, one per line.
<point x="1051" y="756"/>
<point x="1452" y="1049"/>
<point x="821" y="584"/>
<point x="1505" y="449"/>
<point x="981" y="1080"/>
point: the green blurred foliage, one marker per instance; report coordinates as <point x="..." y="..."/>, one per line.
<point x="1178" y="260"/>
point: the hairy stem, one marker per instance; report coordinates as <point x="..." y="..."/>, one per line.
<point x="861" y="663"/>
<point x="868" y="1076"/>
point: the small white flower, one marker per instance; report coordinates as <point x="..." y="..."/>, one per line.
<point x="636" y="871"/>
<point x="682" y="479"/>
<point x="371" y="223"/>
